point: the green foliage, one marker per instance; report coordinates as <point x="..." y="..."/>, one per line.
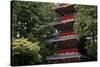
<point x="92" y="49"/>
<point x="86" y="26"/>
<point x="25" y="52"/>
<point x="32" y="19"/>
<point x="86" y="19"/>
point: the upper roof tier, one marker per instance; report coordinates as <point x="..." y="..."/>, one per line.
<point x="65" y="19"/>
<point x="64" y="9"/>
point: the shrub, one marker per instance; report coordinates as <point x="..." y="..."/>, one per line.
<point x="25" y="52"/>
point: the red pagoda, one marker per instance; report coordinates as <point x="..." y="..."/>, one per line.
<point x="65" y="40"/>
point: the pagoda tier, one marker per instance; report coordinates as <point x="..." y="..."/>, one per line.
<point x="71" y="42"/>
<point x="64" y="38"/>
<point x="66" y="21"/>
<point x="65" y="46"/>
<point x="65" y="9"/>
<point x="67" y="17"/>
<point x="67" y="33"/>
<point x="62" y="56"/>
<point x="68" y="50"/>
<point x="64" y="26"/>
<point x="63" y="34"/>
<point x="67" y="53"/>
<point x="65" y="58"/>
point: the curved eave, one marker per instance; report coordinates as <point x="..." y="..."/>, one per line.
<point x="64" y="26"/>
<point x="65" y="33"/>
<point x="64" y="21"/>
<point x="65" y="5"/>
<point x="64" y="57"/>
<point x="65" y="9"/>
<point x="64" y="38"/>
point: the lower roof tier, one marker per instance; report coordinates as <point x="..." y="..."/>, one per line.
<point x="67" y="54"/>
<point x="67" y="60"/>
<point x="63" y="57"/>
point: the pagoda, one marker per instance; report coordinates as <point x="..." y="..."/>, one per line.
<point x="65" y="39"/>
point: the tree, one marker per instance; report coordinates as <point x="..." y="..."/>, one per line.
<point x="32" y="20"/>
<point x="25" y="52"/>
<point x="86" y="26"/>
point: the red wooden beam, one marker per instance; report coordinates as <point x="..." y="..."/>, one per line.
<point x="66" y="17"/>
<point x="68" y="50"/>
<point x="67" y="33"/>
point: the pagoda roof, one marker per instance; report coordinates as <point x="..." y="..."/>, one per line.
<point x="64" y="26"/>
<point x="65" y="9"/>
<point x="65" y="33"/>
<point x="63" y="38"/>
<point x="64" y="5"/>
<point x="64" y="21"/>
<point x="65" y="17"/>
<point x="67" y="53"/>
<point x="64" y="57"/>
